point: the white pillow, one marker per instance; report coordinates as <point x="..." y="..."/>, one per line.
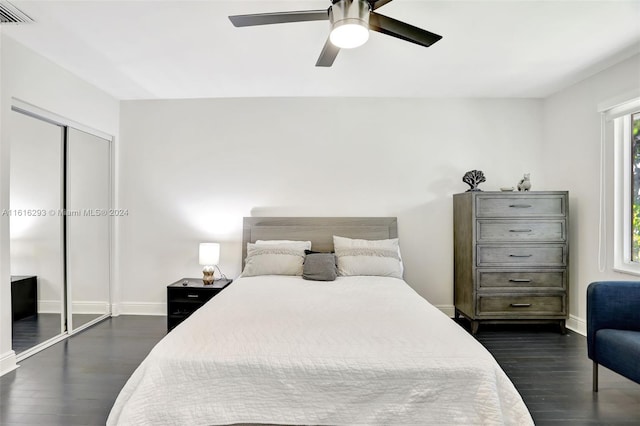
<point x="368" y="257"/>
<point x="305" y="244"/>
<point x="274" y="259"/>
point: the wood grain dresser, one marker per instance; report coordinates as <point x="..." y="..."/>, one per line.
<point x="511" y="257"/>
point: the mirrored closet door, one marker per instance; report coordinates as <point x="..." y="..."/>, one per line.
<point x="88" y="248"/>
<point x="36" y="229"/>
<point x="60" y="196"/>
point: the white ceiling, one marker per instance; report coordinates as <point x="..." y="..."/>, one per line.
<point x="189" y="49"/>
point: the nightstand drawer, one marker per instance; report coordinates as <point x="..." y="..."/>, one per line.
<point x="520" y="255"/>
<point x="521" y="279"/>
<point x="521" y="230"/>
<point x="520" y="206"/>
<point x="521" y="305"/>
<point x="191" y="295"/>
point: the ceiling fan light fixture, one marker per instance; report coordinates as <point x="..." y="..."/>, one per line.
<point x="349" y="23"/>
<point x="349" y="35"/>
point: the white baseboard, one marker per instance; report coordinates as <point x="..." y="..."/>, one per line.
<point x="7" y="362"/>
<point x="88" y="307"/>
<point x="49" y="306"/>
<point x="139" y="308"/>
<point x="448" y="310"/>
<point x="79" y="307"/>
<point x="115" y="309"/>
<point x="577" y="324"/>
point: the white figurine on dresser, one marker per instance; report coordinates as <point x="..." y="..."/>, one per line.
<point x="525" y="183"/>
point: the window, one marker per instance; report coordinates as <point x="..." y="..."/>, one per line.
<point x="626" y="135"/>
<point x="634" y="139"/>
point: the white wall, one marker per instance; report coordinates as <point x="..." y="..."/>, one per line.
<point x="190" y="170"/>
<point x="33" y="79"/>
<point x="572" y="160"/>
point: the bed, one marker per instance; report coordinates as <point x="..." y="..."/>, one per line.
<point x="284" y="350"/>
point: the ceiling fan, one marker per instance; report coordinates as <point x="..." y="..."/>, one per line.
<point x="350" y="21"/>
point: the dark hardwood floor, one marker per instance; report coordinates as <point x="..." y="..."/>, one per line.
<point x="33" y="330"/>
<point x="75" y="382"/>
<point x="553" y="374"/>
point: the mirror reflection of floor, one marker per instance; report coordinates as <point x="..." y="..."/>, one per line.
<point x="31" y="331"/>
<point x="81" y="319"/>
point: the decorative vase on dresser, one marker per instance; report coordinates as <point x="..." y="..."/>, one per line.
<point x="511" y="257"/>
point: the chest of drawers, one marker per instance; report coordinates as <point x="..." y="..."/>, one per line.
<point x="511" y="256"/>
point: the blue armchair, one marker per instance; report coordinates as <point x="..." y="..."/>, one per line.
<point x="613" y="328"/>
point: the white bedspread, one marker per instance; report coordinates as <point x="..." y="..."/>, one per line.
<point x="282" y="350"/>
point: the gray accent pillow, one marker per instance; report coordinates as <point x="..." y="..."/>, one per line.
<point x="320" y="267"/>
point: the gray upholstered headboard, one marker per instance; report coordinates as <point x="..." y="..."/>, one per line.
<point x="318" y="230"/>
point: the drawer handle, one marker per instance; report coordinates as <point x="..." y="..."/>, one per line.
<point x="520" y="206"/>
<point x="193" y="296"/>
<point x="521" y="305"/>
<point x="519" y="280"/>
<point x="520" y="255"/>
<point x="519" y="230"/>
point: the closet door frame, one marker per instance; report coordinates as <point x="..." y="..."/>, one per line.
<point x="36" y="112"/>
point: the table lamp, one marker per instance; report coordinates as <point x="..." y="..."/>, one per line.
<point x="209" y="258"/>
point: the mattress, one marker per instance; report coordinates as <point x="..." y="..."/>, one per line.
<point x="283" y="350"/>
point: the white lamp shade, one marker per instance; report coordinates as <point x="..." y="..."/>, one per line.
<point x="349" y="35"/>
<point x="209" y="254"/>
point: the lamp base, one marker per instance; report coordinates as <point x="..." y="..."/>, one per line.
<point x="207" y="275"/>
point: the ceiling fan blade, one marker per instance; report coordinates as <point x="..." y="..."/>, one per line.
<point x="279" y="17"/>
<point x="379" y="3"/>
<point x="402" y="30"/>
<point x="328" y="54"/>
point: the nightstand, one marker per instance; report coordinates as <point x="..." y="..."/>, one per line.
<point x="24" y="296"/>
<point x="183" y="300"/>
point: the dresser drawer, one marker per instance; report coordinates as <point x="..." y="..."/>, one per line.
<point x="521" y="305"/>
<point x="521" y="279"/>
<point x="522" y="255"/>
<point x="520" y="206"/>
<point x="520" y="230"/>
